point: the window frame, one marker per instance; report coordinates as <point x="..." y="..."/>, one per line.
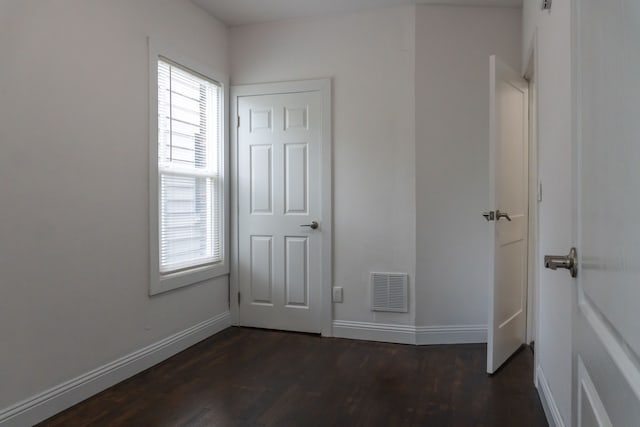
<point x="159" y="282"/>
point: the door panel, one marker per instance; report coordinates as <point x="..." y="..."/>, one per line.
<point x="261" y="162"/>
<point x="261" y="269"/>
<point x="606" y="343"/>
<point x="261" y="120"/>
<point x="295" y="118"/>
<point x="296" y="271"/>
<point x="509" y="168"/>
<point x="591" y="412"/>
<point x="510" y="296"/>
<point x="296" y="179"/>
<point x="279" y="163"/>
<point x="610" y="382"/>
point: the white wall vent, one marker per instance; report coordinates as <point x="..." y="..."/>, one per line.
<point x="389" y="292"/>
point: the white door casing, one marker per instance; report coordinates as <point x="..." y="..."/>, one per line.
<point x="283" y="270"/>
<point x="509" y="194"/>
<point x="606" y="318"/>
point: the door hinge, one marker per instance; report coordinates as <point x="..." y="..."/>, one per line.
<point x="238" y="298"/>
<point x="238" y="121"/>
<point x="540" y="191"/>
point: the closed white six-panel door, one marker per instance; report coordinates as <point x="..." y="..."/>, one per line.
<point x="279" y="197"/>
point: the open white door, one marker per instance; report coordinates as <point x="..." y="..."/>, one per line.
<point x="509" y="197"/>
<point x="606" y="324"/>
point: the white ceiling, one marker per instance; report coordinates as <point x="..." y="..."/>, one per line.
<point x="241" y="12"/>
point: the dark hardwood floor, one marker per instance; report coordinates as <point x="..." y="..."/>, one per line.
<point x="249" y="377"/>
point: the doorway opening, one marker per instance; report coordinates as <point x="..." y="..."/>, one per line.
<point x="515" y="193"/>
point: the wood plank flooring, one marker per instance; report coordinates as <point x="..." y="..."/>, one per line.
<point x="250" y="377"/>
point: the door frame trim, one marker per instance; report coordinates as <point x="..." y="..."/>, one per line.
<point x="324" y="87"/>
<point x="530" y="73"/>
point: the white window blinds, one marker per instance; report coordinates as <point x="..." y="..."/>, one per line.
<point x="189" y="169"/>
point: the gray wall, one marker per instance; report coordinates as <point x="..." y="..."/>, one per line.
<point x="404" y="200"/>
<point x="453" y="45"/>
<point x="74" y="238"/>
<point x="370" y="57"/>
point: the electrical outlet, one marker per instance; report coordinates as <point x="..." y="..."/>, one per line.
<point x="337" y="294"/>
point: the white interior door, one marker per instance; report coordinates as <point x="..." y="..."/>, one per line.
<point x="606" y="324"/>
<point x="279" y="197"/>
<point x="509" y="181"/>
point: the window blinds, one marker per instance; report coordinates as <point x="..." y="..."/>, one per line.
<point x="189" y="169"/>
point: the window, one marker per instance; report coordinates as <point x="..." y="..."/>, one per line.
<point x="189" y="185"/>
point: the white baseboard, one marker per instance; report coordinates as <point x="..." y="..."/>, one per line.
<point x="455" y="334"/>
<point x="56" y="399"/>
<point x="548" y="402"/>
<point x="401" y="334"/>
<point x="408" y="334"/>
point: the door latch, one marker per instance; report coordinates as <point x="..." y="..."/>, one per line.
<point x="569" y="262"/>
<point x="489" y="216"/>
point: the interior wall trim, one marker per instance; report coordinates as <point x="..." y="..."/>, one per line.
<point x="549" y="404"/>
<point x="62" y="396"/>
<point x="409" y="334"/>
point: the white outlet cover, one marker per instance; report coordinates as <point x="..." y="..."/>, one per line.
<point x="337" y="294"/>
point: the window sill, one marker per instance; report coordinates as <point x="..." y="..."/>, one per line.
<point x="165" y="283"/>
